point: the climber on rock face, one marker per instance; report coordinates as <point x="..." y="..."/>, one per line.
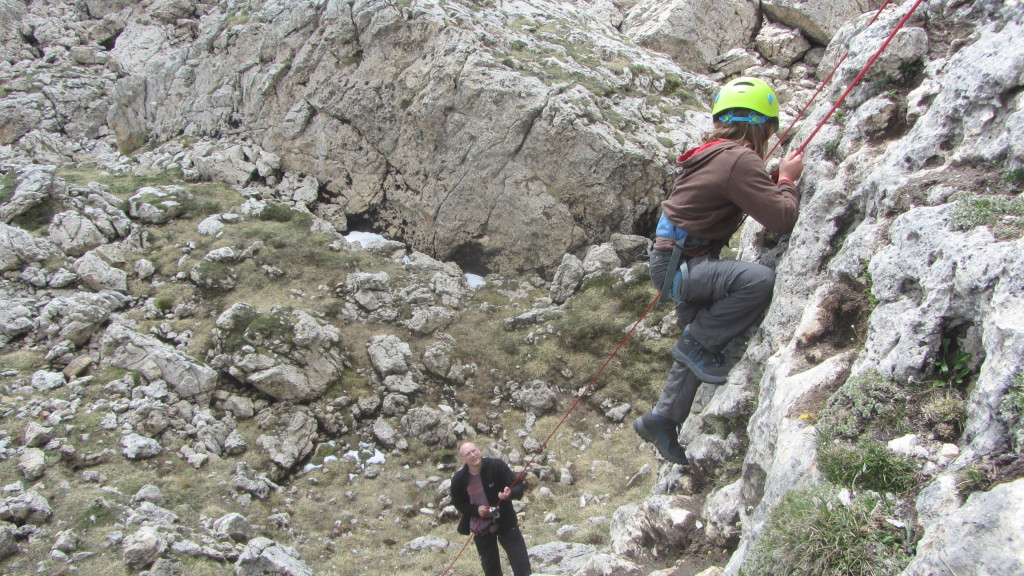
<point x="716" y="185"/>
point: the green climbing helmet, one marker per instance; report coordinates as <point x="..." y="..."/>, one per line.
<point x="749" y="93"/>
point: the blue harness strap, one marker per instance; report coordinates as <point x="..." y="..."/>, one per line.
<point x="675" y="284"/>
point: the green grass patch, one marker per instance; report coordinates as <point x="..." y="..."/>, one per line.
<point x="868" y="465"/>
<point x="1015" y="178"/>
<point x="1004" y="215"/>
<point x="8" y="182"/>
<point x="812" y="533"/>
<point x="120" y="184"/>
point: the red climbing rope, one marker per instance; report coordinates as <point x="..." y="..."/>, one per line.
<point x="860" y="76"/>
<point x="589" y="386"/>
<point x="820" y="88"/>
<point x="459" y="555"/>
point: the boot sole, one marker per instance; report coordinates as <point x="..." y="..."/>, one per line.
<point x="641" y="430"/>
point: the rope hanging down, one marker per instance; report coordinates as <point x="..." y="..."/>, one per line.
<point x="821" y="87"/>
<point x="579" y="399"/>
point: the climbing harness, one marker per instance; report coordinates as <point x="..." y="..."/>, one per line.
<point x="684" y="247"/>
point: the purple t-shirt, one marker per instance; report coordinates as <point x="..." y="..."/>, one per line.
<point x="475" y="488"/>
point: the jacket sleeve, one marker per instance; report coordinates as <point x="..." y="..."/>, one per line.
<point x="460" y="496"/>
<point x="775" y="206"/>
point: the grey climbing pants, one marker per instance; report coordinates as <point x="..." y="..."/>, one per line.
<point x="724" y="298"/>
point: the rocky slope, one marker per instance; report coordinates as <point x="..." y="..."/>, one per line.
<point x="200" y="359"/>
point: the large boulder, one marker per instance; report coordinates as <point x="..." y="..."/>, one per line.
<point x="264" y="556"/>
<point x="17" y="248"/>
<point x="693" y="32"/>
<point x="818" y="20"/>
<point x="155" y="360"/>
<point x="286" y="354"/>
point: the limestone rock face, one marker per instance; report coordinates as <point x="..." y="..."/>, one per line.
<point x="17" y="248"/>
<point x="983" y="536"/>
<point x="155" y="360"/>
<point x="264" y="556"/>
<point x="446" y="138"/>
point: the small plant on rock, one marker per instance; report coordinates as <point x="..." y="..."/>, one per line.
<point x="953" y="364"/>
<point x="973" y="478"/>
<point x="865" y="401"/>
<point x="1011" y="411"/>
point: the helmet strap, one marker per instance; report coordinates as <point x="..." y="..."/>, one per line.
<point x="751" y="118"/>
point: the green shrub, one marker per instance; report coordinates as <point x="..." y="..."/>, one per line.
<point x="812" y="533"/>
<point x="277" y="213"/>
<point x="164" y="303"/>
<point x="867" y="465"/>
<point x="831" y="150"/>
<point x="865" y="401"/>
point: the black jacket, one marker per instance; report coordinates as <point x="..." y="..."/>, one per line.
<point x="495" y="475"/>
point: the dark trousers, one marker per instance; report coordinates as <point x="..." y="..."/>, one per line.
<point x="511" y="539"/>
<point x="725" y="297"/>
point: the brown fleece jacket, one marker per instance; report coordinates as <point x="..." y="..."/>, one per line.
<point x="717" y="184"/>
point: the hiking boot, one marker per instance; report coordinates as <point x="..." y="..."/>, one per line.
<point x="708" y="366"/>
<point x="661" y="432"/>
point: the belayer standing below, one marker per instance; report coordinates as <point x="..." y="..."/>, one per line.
<point x="716" y="185"/>
<point x="482" y="491"/>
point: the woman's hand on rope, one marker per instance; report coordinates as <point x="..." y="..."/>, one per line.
<point x="505" y="494"/>
<point x="792" y="167"/>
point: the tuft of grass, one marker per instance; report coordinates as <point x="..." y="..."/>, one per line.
<point x="868" y="465"/>
<point x="945" y="412"/>
<point x="972" y="478"/>
<point x="812" y="533"/>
